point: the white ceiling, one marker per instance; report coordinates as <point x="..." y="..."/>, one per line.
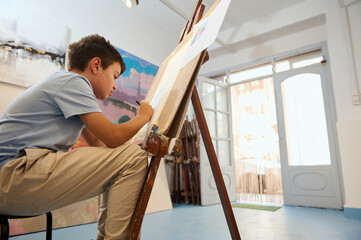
<point x="166" y="14"/>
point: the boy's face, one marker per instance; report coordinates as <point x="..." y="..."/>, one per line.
<point x="105" y="83"/>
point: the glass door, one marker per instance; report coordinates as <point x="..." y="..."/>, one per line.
<point x="306" y="126"/>
<point x="215" y="102"/>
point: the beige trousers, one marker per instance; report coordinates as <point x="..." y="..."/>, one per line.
<point x="44" y="180"/>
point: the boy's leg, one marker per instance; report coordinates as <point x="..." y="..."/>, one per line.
<point x="43" y="180"/>
<point x="108" y="223"/>
<point x="114" y="221"/>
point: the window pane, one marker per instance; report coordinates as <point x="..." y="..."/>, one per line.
<point x="208" y="96"/>
<point x="220" y="78"/>
<point x="203" y="152"/>
<point x="222" y="125"/>
<point x="307" y="62"/>
<point x="222" y="100"/>
<point x="305" y="121"/>
<point x="211" y="122"/>
<point x="250" y="73"/>
<point x="215" y="146"/>
<point x="282" y="66"/>
<point x="300" y="60"/>
<point x="224" y="153"/>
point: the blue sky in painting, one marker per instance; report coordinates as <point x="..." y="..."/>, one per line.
<point x="132" y="61"/>
<point x="137" y="70"/>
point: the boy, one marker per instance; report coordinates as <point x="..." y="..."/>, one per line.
<point x="37" y="174"/>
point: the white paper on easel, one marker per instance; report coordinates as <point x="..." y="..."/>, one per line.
<point x="205" y="32"/>
<point x="162" y="93"/>
<point x="202" y="36"/>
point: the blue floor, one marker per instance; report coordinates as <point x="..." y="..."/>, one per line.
<point x="186" y="222"/>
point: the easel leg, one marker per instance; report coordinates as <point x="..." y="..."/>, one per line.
<point x="179" y="192"/>
<point x="190" y="179"/>
<point x="175" y="181"/>
<point x="139" y="212"/>
<point x="185" y="182"/>
<point x="217" y="174"/>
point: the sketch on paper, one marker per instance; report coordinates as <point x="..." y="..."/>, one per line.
<point x="31" y="46"/>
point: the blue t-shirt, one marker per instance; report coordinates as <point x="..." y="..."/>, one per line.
<point x="46" y="115"/>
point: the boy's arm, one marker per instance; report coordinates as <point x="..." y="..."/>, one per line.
<point x="91" y="139"/>
<point x="114" y="135"/>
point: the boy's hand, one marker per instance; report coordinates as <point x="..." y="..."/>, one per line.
<point x="145" y="110"/>
<point x="114" y="135"/>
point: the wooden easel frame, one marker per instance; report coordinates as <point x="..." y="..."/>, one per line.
<point x="192" y="93"/>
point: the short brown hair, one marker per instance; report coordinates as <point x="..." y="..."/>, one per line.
<point x="93" y="46"/>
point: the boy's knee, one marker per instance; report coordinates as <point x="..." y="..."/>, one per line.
<point x="138" y="158"/>
<point x="142" y="159"/>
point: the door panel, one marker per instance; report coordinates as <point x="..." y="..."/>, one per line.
<point x="307" y="139"/>
<point x="311" y="182"/>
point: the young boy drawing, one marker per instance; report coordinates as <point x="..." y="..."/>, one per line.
<point x="37" y="174"/>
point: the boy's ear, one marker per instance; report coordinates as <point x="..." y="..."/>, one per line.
<point x="95" y="64"/>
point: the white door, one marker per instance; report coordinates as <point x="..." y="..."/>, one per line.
<point x="215" y="103"/>
<point x="306" y="124"/>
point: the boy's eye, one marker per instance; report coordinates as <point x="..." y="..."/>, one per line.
<point x="115" y="77"/>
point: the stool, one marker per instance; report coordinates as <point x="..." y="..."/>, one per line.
<point x="4" y="225"/>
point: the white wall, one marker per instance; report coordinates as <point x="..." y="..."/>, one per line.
<point x="304" y="24"/>
<point x="7" y="94"/>
<point x="124" y="29"/>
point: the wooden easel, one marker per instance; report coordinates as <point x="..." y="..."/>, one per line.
<point x="159" y="145"/>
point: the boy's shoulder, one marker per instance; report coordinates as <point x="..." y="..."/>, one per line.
<point x="64" y="76"/>
<point x="60" y="79"/>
